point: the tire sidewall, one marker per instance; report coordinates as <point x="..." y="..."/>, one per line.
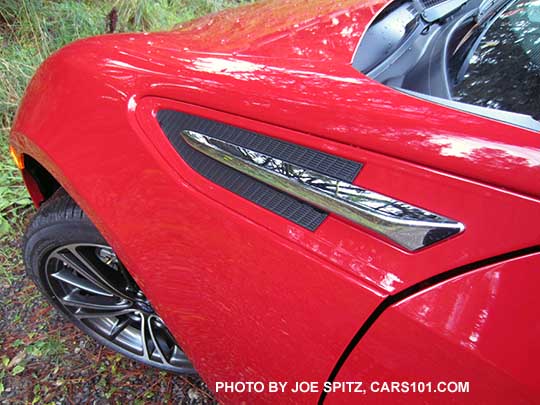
<point x="45" y="240"/>
<point x="60" y="222"/>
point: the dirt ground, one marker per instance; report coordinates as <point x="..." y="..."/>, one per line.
<point x="44" y="359"/>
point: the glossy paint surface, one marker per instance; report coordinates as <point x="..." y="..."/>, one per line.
<point x="496" y="222"/>
<point x="481" y="327"/>
<point x="246" y="292"/>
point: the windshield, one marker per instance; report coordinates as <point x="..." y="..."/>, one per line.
<point x="504" y="70"/>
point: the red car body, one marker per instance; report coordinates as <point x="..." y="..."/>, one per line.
<point x="249" y="295"/>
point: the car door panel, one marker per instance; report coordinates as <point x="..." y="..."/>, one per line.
<point x="471" y="329"/>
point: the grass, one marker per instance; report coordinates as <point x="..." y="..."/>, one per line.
<point x="30" y="30"/>
<point x="44" y="359"/>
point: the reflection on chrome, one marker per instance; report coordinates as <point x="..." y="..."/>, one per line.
<point x="410" y="227"/>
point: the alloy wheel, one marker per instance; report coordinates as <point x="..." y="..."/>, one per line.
<point x="92" y="286"/>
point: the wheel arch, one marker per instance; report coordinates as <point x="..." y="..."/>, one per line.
<point x="42" y="178"/>
<point x="39" y="181"/>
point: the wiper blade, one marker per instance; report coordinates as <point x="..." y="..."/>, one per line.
<point x="488" y="7"/>
<point x="441" y="10"/>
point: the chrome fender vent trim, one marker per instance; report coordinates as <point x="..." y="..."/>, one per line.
<point x="286" y="206"/>
<point x="410" y="227"/>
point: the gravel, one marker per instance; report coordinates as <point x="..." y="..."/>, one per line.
<point x="46" y="360"/>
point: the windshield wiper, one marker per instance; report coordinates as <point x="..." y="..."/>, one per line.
<point x="441" y="10"/>
<point x="487" y="8"/>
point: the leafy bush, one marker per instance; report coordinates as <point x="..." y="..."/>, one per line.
<point x="30" y="30"/>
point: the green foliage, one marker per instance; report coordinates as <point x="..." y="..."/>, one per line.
<point x="30" y="30"/>
<point x="51" y="348"/>
<point x="33" y="361"/>
<point x="137" y="15"/>
<point x="19" y="368"/>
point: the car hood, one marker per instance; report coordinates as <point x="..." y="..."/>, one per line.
<point x="288" y="63"/>
<point x="314" y="29"/>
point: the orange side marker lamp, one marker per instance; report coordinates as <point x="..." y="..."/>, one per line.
<point x="17" y="158"/>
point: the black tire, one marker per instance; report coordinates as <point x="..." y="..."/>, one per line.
<point x="72" y="265"/>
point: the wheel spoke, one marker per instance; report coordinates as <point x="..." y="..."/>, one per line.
<point x="93" y="314"/>
<point x="81" y="264"/>
<point x="75" y="299"/>
<point x="79" y="282"/>
<point x="74" y="263"/>
<point x="178" y="358"/>
<point x="177" y="354"/>
<point x="119" y="326"/>
<point x="91" y="283"/>
<point x="155" y="339"/>
<point x="145" y="342"/>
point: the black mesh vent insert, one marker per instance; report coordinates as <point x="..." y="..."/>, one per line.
<point x="324" y="163"/>
<point x="301" y="213"/>
<point x="431" y="3"/>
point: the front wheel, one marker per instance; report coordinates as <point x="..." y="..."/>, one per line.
<point x="80" y="274"/>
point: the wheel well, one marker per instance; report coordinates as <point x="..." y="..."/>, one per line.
<point x="38" y="180"/>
